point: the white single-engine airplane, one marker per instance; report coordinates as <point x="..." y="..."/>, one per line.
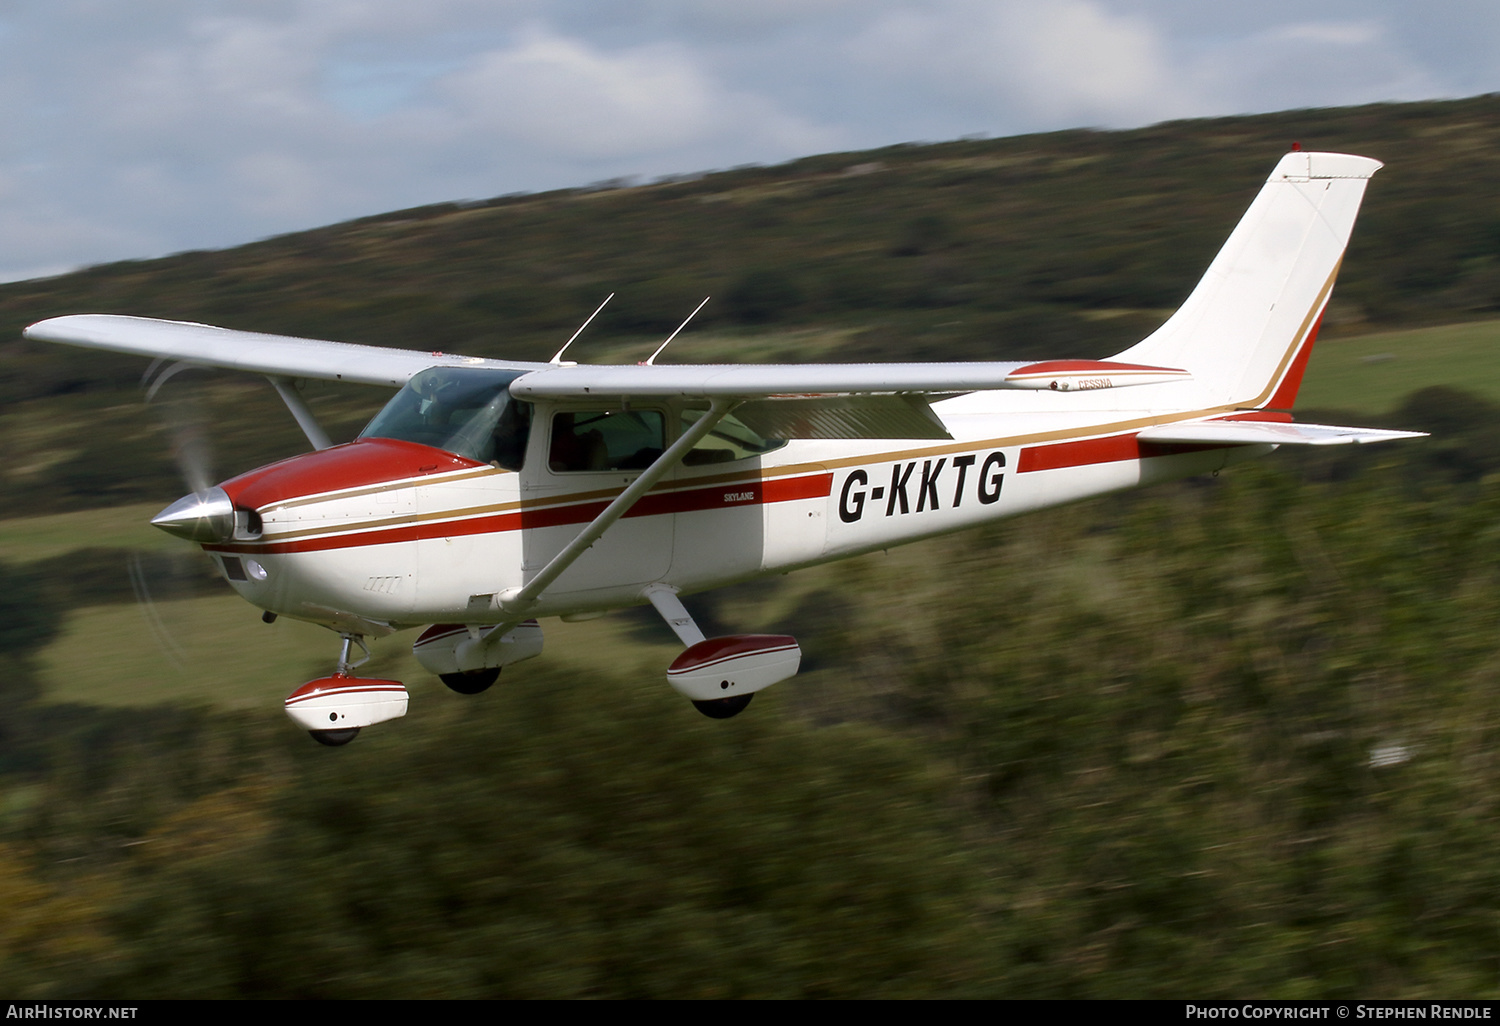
<point x="488" y="493"/>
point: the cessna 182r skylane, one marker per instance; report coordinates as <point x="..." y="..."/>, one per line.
<point x="488" y="493"/>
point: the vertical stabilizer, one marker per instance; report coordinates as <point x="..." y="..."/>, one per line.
<point x="1247" y="329"/>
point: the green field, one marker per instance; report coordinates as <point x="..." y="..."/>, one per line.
<point x="216" y="651"/>
<point x="28" y="539"/>
<point x="1374" y="373"/>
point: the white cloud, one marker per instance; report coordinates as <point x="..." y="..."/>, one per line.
<point x="1310" y="64"/>
<point x="568" y="98"/>
<point x="1331" y="33"/>
<point x="1025" y="64"/>
<point x="1076" y="59"/>
<point x="135" y="129"/>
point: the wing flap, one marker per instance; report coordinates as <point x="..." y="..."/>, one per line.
<point x="843" y="417"/>
<point x="279" y="355"/>
<point x="1260" y="432"/>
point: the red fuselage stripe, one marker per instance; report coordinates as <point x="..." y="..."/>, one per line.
<point x="1112" y="449"/>
<point x="753" y="493"/>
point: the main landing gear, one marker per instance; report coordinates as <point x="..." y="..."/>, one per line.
<point x="333" y="709"/>
<point x="720" y="675"/>
<point x="468" y="659"/>
<point x="722" y="708"/>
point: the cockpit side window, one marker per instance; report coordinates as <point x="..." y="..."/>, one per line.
<point x="463" y="410"/>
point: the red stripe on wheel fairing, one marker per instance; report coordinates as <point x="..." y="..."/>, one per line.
<point x="717" y="650"/>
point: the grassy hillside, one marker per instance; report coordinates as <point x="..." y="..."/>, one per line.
<point x="1232" y="736"/>
<point x="1070" y="243"/>
<point x="1374" y="373"/>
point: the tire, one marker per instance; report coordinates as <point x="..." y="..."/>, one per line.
<point x="724" y="708"/>
<point x="472" y="682"/>
<point x="334" y="738"/>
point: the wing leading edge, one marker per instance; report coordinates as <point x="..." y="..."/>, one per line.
<point x="256" y="353"/>
<point x="832" y="401"/>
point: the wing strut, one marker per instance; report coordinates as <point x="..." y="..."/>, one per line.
<point x="287" y="389"/>
<point x="520" y="599"/>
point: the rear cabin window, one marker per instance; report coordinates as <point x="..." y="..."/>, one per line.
<point x="729" y="440"/>
<point x="606" y="440"/>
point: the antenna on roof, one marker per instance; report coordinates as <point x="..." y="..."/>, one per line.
<point x="649" y="360"/>
<point x="557" y="359"/>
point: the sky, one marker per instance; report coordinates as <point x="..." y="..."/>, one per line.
<point x="133" y="130"/>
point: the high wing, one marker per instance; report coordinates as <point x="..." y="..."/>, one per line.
<point x="834" y="401"/>
<point x="830" y="401"/>
<point x="801" y="380"/>
<point x="275" y="355"/>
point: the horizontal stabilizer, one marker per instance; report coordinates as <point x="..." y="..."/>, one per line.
<point x="1259" y="432"/>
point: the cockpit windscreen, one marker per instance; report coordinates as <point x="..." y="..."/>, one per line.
<point x="463" y="410"/>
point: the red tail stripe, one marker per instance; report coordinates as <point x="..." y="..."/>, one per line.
<point x="1286" y="392"/>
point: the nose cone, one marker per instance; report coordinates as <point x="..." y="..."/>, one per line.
<point x="206" y="516"/>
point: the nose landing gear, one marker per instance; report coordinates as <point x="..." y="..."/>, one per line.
<point x="333" y="709"/>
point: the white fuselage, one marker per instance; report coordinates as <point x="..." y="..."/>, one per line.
<point x="442" y="543"/>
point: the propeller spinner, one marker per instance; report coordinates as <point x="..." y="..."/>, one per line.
<point x="203" y="516"/>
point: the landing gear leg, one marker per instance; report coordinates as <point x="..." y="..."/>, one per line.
<point x="344" y="663"/>
<point x="339" y="738"/>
